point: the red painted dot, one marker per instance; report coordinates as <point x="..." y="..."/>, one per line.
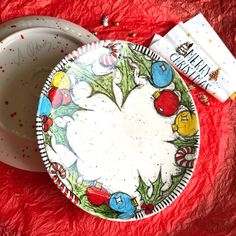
<point x="62" y="50"/>
<point x="33" y="126"/>
<point x="23" y="155"/>
<point x="22" y="36"/>
<point x="13" y="26"/>
<point x="35" y="149"/>
<point x="13" y="114"/>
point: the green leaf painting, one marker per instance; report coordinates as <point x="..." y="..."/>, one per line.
<point x="104" y="85"/>
<point x="143" y="189"/>
<point x="157" y="195"/>
<point x="67" y="110"/>
<point x="127" y="83"/>
<point x="100" y="84"/>
<point x="144" y="63"/>
<point x="61" y="137"/>
<point x="156" y="189"/>
<point x="156" y="186"/>
<point x="175" y="181"/>
<point x="184" y="143"/>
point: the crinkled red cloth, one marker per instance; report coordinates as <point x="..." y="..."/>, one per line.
<point x="30" y="204"/>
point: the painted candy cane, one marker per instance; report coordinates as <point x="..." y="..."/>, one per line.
<point x="111" y="58"/>
<point x="57" y="172"/>
<point x="58" y="168"/>
<point x="180" y="157"/>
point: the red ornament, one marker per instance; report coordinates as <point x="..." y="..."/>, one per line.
<point x="59" y="97"/>
<point x="97" y="196"/>
<point x="66" y="97"/>
<point x="166" y="102"/>
<point x="55" y="96"/>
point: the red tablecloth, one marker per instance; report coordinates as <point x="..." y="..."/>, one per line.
<point x="30" y="204"/>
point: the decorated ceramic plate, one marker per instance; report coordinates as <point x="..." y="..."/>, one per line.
<point x="117" y="130"/>
<point x="29" y="49"/>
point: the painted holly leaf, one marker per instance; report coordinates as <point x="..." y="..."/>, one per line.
<point x="104" y="85"/>
<point x="67" y="110"/>
<point x="175" y="181"/>
<point x="100" y="84"/>
<point x="82" y="72"/>
<point x="127" y="83"/>
<point x="186" y="99"/>
<point x="143" y="189"/>
<point x="47" y="138"/>
<point x="61" y="135"/>
<point x="184" y="143"/>
<point x="102" y="210"/>
<point x="156" y="186"/>
<point x="73" y="173"/>
<point x="80" y="192"/>
<point x="156" y="190"/>
<point x="144" y="63"/>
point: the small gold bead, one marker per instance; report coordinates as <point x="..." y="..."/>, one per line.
<point x="132" y="35"/>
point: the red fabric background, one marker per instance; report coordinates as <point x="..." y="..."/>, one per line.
<point x="30" y="204"/>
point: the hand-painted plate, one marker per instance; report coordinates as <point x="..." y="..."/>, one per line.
<point x="30" y="47"/>
<point x="117" y="130"/>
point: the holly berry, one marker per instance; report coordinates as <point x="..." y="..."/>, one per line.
<point x="148" y="209"/>
<point x="97" y="196"/>
<point x="166" y="102"/>
<point x="47" y="123"/>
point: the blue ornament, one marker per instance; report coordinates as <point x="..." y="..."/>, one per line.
<point x="162" y="74"/>
<point x="44" y="107"/>
<point x="122" y="203"/>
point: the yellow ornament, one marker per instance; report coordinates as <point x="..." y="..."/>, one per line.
<point x="61" y="80"/>
<point x="185" y="124"/>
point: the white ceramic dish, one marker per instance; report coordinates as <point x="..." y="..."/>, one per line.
<point x="117" y="130"/>
<point x="30" y="47"/>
